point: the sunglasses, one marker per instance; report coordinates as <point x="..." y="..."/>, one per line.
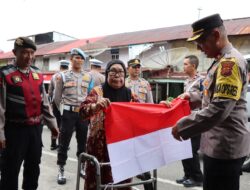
<point x="136" y="66"/>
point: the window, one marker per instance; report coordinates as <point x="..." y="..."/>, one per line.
<point x="45" y="66"/>
<point x="114" y="53"/>
<point x="61" y="58"/>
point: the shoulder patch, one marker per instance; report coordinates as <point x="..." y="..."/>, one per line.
<point x="228" y="81"/>
<point x="227" y="67"/>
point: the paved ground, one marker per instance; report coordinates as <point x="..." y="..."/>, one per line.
<point x="47" y="181"/>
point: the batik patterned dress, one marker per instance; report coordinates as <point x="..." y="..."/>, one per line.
<point x="96" y="142"/>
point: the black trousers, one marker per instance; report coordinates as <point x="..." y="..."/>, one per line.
<point x="57" y="114"/>
<point x="71" y="122"/>
<point x="191" y="166"/>
<point x="146" y="176"/>
<point x="23" y="144"/>
<point x="222" y="174"/>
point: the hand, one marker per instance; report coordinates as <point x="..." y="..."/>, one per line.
<point x="55" y="132"/>
<point x="185" y="96"/>
<point x="176" y="134"/>
<point x="2" y="144"/>
<point x="101" y="104"/>
<point x="167" y="103"/>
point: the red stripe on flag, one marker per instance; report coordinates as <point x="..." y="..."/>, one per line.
<point x="127" y="120"/>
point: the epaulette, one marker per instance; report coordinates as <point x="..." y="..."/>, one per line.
<point x="35" y="69"/>
<point x="6" y="67"/>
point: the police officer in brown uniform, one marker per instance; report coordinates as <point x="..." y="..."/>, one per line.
<point x="70" y="92"/>
<point x="139" y="86"/>
<point x="223" y="118"/>
<point x="193" y="85"/>
<point x="95" y="72"/>
<point x="141" y="91"/>
<point x="23" y="106"/>
<point x="64" y="66"/>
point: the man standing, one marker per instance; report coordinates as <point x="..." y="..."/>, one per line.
<point x="69" y="94"/>
<point x="223" y="118"/>
<point x="193" y="85"/>
<point x="140" y="87"/>
<point x="141" y="90"/>
<point x="23" y="106"/>
<point x="95" y="66"/>
<point x="64" y="66"/>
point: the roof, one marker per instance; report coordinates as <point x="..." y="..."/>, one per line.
<point x="239" y="26"/>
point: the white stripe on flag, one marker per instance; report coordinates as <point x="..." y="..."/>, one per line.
<point x="136" y="155"/>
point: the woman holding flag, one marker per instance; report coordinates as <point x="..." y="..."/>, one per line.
<point x="113" y="90"/>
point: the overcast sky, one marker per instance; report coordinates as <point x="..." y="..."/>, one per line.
<point x="92" y="18"/>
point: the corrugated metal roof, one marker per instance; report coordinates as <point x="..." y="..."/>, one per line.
<point x="240" y="26"/>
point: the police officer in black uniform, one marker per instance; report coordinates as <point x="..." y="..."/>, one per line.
<point x="23" y="106"/>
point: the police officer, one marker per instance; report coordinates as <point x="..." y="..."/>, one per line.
<point x="140" y="87"/>
<point x="223" y="118"/>
<point x="64" y="66"/>
<point x="23" y="105"/>
<point x="141" y="90"/>
<point x="193" y="85"/>
<point x="69" y="94"/>
<point x="95" y="66"/>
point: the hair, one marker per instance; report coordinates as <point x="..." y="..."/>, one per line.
<point x="112" y="62"/>
<point x="193" y="60"/>
<point x="64" y="67"/>
<point x="95" y="67"/>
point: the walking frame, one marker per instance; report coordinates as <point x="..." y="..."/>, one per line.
<point x="86" y="157"/>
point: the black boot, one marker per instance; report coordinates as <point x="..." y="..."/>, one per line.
<point x="246" y="166"/>
<point x="53" y="145"/>
<point x="61" y="179"/>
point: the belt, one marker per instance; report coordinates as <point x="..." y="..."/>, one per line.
<point x="71" y="108"/>
<point x="30" y="121"/>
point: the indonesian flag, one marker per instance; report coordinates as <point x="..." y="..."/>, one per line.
<point x="139" y="137"/>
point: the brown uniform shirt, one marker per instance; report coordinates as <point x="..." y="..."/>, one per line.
<point x="223" y="118"/>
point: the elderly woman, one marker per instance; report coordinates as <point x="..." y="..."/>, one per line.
<point x="113" y="90"/>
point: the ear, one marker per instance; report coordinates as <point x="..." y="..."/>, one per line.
<point x="14" y="51"/>
<point x="216" y="34"/>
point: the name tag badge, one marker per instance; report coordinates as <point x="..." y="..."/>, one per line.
<point x="85" y="78"/>
<point x="35" y="76"/>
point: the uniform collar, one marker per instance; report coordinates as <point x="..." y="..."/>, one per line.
<point x="133" y="80"/>
<point x="195" y="77"/>
<point x="226" y="49"/>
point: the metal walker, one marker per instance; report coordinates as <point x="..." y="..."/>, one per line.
<point x="92" y="159"/>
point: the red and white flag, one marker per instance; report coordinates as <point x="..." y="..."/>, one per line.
<point x="139" y="137"/>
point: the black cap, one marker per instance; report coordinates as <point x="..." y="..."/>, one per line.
<point x="204" y="24"/>
<point x="133" y="62"/>
<point x="24" y="42"/>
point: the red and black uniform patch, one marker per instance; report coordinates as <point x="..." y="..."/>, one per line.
<point x="226" y="68"/>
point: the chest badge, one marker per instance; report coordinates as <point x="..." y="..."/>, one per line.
<point x="17" y="79"/>
<point x="86" y="78"/>
<point x="35" y="76"/>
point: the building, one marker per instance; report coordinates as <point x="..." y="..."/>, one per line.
<point x="161" y="50"/>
